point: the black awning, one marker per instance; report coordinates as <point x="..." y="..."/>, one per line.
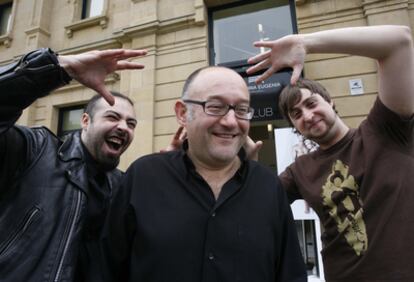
<point x="264" y="96"/>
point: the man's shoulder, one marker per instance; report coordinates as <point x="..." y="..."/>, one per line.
<point x="262" y="172"/>
<point x="308" y="157"/>
<point x="256" y="166"/>
<point x="154" y="159"/>
<point x="387" y="127"/>
<point x="36" y="134"/>
<point x="43" y="130"/>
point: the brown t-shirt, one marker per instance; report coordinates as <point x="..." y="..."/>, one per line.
<point x="362" y="188"/>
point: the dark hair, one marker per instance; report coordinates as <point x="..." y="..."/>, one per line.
<point x="90" y="107"/>
<point x="190" y="79"/>
<point x="291" y="95"/>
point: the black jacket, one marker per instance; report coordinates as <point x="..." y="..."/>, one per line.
<point x="43" y="181"/>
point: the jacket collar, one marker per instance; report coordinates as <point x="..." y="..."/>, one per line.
<point x="72" y="151"/>
<point x="71" y="147"/>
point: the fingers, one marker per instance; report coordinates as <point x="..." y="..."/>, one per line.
<point x="177" y="140"/>
<point x="126" y="65"/>
<point x="177" y="135"/>
<point x="105" y="94"/>
<point x="254" y="154"/>
<point x="267" y="44"/>
<point x="252" y="148"/>
<point x="110" y="53"/>
<point x="262" y="65"/>
<point x="297" y="70"/>
<point x="259" y="57"/>
<point x="265" y="75"/>
<point x="259" y="145"/>
<point x="121" y="54"/>
<point x="127" y="53"/>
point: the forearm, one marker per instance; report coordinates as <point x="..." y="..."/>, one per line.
<point x="34" y="76"/>
<point x="391" y="46"/>
<point x="376" y="42"/>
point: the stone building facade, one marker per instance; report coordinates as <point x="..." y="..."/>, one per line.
<point x="176" y="35"/>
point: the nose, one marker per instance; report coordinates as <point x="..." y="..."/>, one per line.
<point x="307" y="115"/>
<point x="229" y="119"/>
<point x="123" y="125"/>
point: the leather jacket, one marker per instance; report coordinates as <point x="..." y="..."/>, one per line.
<point x="43" y="181"/>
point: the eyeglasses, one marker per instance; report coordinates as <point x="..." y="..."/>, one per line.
<point x="217" y="108"/>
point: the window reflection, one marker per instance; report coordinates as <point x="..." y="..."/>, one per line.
<point x="69" y="120"/>
<point x="236" y="28"/>
<point x="5" y="17"/>
<point x="92" y="8"/>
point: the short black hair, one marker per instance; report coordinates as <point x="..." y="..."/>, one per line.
<point x="90" y="107"/>
<point x="190" y="79"/>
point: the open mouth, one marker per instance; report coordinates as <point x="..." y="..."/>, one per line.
<point x="115" y="143"/>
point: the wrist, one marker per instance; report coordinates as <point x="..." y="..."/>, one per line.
<point x="64" y="62"/>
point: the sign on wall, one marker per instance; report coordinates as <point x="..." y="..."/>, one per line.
<point x="264" y="96"/>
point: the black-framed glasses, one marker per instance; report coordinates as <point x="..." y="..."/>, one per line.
<point x="217" y="108"/>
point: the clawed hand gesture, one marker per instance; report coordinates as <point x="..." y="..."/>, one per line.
<point x="288" y="51"/>
<point x="177" y="141"/>
<point x="91" y="68"/>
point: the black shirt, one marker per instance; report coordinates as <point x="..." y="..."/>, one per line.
<point x="180" y="233"/>
<point x="99" y="195"/>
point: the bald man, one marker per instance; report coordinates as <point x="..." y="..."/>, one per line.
<point x="205" y="212"/>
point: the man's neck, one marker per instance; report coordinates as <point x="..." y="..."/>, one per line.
<point x="216" y="176"/>
<point x="338" y="134"/>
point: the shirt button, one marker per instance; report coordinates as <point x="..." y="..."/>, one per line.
<point x="210" y="256"/>
<point x="213" y="214"/>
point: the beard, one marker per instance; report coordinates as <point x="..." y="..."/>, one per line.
<point x="106" y="163"/>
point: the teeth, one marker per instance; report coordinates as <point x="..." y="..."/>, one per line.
<point x="115" y="140"/>
<point x="225" y="135"/>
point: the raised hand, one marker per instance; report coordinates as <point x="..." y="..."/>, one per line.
<point x="92" y="67"/>
<point x="178" y="139"/>
<point x="252" y="148"/>
<point x="288" y="51"/>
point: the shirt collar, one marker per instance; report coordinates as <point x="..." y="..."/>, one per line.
<point x="189" y="165"/>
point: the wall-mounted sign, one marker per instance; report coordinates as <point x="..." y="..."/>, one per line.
<point x="356" y="87"/>
<point x="263" y="96"/>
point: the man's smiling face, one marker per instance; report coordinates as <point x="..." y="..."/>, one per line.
<point x="216" y="140"/>
<point x="109" y="132"/>
<point x="315" y="118"/>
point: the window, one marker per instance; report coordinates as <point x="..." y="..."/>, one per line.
<point x="235" y="28"/>
<point x="86" y="14"/>
<point x="92" y="8"/>
<point x="5" y="17"/>
<point x="69" y="120"/>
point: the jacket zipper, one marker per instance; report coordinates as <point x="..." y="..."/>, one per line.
<point x="25" y="224"/>
<point x="72" y="227"/>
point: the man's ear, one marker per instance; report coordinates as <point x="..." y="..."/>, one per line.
<point x="85" y="120"/>
<point x="181" y="112"/>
